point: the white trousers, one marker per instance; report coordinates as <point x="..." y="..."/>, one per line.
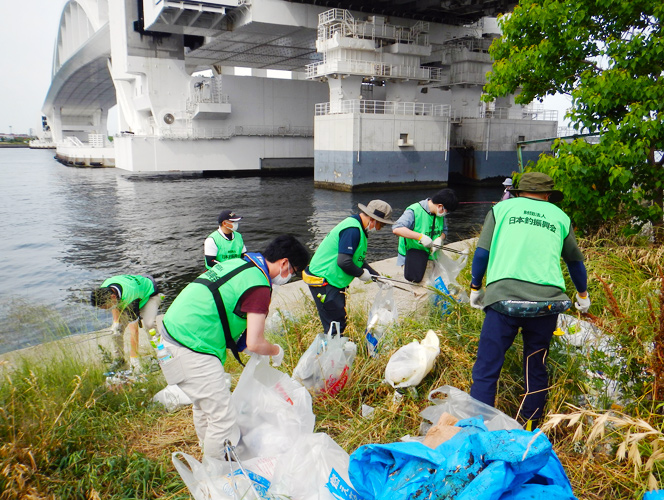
<point x="207" y="385"/>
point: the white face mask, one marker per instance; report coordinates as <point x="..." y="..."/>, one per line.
<point x="441" y="212"/>
<point x="234" y="226"/>
<point x="371" y="229"/>
<point x="280" y="280"/>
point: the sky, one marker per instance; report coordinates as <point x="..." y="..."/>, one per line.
<point x="27" y="37"/>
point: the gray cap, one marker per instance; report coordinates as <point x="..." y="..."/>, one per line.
<point x="379" y="210"/>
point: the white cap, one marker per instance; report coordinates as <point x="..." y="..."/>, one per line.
<point x="507" y="182"/>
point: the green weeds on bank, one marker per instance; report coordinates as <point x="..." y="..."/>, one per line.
<point x="64" y="434"/>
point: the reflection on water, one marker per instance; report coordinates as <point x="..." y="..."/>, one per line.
<point x="66" y="229"/>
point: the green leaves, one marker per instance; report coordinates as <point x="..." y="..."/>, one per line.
<point x="609" y="55"/>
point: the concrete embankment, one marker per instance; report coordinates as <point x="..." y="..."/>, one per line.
<point x="291" y="298"/>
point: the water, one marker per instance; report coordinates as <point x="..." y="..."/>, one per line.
<point x="65" y="230"/>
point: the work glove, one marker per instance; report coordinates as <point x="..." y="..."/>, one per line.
<point x="425" y="241"/>
<point x="366" y="276"/>
<point x="115" y="328"/>
<point x="477" y="299"/>
<point x="582" y="304"/>
<point x="279" y="357"/>
<point x="438" y="242"/>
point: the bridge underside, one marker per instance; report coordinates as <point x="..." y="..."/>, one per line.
<point x="437" y="11"/>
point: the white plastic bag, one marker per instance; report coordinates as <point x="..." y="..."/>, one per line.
<point x="272" y="409"/>
<point x="448" y="399"/>
<point x="382" y="314"/>
<point x="412" y="362"/>
<point x="303" y="472"/>
<point x="325" y="366"/>
<point x="172" y="397"/>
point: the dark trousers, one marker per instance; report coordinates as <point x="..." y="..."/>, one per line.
<point x="331" y="304"/>
<point x="498" y="333"/>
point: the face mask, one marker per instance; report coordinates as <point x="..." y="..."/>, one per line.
<point x="234" y="226"/>
<point x="371" y="229"/>
<point x="280" y="280"/>
<point x="441" y="212"/>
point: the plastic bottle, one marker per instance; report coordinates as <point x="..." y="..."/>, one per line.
<point x="163" y="354"/>
<point x="155" y="338"/>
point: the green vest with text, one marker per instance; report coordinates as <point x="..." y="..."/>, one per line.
<point x="425" y="223"/>
<point x="193" y="318"/>
<point x="133" y="287"/>
<point x="324" y="261"/>
<point x="227" y="249"/>
<point x="527" y="242"/>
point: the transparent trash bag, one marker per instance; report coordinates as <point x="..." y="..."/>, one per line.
<point x="325" y="366"/>
<point x="382" y="315"/>
<point x="448" y="399"/>
<point x="412" y="362"/>
<point x="272" y="409"/>
<point x="443" y="279"/>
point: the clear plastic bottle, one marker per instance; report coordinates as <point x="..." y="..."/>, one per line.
<point x="163" y="354"/>
<point x="155" y="338"/>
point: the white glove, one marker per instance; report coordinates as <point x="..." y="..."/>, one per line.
<point x="384" y="285"/>
<point x="279" y="357"/>
<point x="582" y="304"/>
<point x="438" y="242"/>
<point x="425" y="241"/>
<point x="366" y="276"/>
<point x="115" y="328"/>
<point x="477" y="299"/>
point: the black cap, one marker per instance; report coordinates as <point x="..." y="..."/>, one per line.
<point x="228" y="215"/>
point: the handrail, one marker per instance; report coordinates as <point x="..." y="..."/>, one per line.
<point x="372" y="68"/>
<point x="365" y="106"/>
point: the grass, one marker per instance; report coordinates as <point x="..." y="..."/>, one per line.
<point x="64" y="434"/>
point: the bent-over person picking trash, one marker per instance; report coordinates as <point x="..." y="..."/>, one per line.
<point x="224" y="308"/>
<point x="519" y="248"/>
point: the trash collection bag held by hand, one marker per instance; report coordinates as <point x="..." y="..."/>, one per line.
<point x="326" y="365"/>
<point x="443" y="278"/>
<point x="382" y="314"/>
<point x="412" y="362"/>
<point x="272" y="409"/>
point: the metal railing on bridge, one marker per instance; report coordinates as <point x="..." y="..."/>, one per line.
<point x="382" y="108"/>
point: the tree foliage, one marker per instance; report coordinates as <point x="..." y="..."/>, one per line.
<point x="609" y="55"/>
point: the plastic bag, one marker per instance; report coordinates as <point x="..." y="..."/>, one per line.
<point x="172" y="397"/>
<point x="302" y="473"/>
<point x="325" y="366"/>
<point x="443" y="278"/>
<point x="272" y="409"/>
<point x="474" y="464"/>
<point x="382" y="314"/>
<point x="412" y="362"/>
<point x="448" y="399"/>
<point x="221" y="480"/>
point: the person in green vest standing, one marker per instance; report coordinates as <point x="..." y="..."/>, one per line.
<point x="131" y="298"/>
<point x="422" y="229"/>
<point x="341" y="257"/>
<point x="225" y="242"/>
<point x="519" y="249"/>
<point x="223" y="309"/>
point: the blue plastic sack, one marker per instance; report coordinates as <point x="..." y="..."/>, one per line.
<point x="474" y="464"/>
<point x="654" y="495"/>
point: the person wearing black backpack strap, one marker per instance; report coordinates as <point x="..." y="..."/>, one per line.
<point x="224" y="308"/>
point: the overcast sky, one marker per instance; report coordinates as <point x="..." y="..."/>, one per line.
<point x="27" y="36"/>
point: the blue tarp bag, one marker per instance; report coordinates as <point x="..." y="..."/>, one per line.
<point x="475" y="464"/>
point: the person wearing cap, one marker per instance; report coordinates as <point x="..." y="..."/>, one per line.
<point x="422" y="228"/>
<point x="224" y="309"/>
<point x="507" y="194"/>
<point x="225" y="242"/>
<point x="341" y="257"/>
<point x="519" y="249"/>
<point x="131" y="298"/>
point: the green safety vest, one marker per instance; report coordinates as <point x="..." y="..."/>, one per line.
<point x="207" y="309"/>
<point x="133" y="287"/>
<point x="324" y="261"/>
<point x="425" y="223"/>
<point x="227" y="249"/>
<point x="527" y="242"/>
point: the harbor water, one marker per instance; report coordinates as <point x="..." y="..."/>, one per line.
<point x="65" y="230"/>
